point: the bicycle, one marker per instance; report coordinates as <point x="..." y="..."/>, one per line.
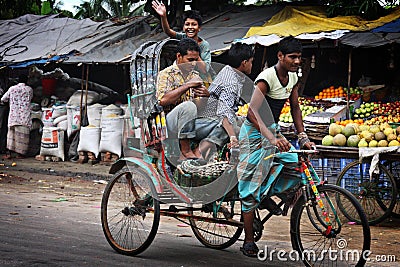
<point x="378" y="194"/>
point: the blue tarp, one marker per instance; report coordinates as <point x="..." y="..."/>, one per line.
<point x="393" y="26"/>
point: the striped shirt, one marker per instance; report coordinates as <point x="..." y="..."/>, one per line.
<point x="225" y="92"/>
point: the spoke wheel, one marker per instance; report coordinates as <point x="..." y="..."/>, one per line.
<point x="129" y="215"/>
<point x="394" y="169"/>
<point x="309" y="229"/>
<point x="377" y="194"/>
<point x="217" y="235"/>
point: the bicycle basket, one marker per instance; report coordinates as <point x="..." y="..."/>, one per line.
<point x="191" y="174"/>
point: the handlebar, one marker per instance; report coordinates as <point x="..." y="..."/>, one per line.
<point x="304" y="151"/>
<point x="297" y="151"/>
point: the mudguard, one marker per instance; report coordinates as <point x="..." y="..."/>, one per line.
<point x="139" y="163"/>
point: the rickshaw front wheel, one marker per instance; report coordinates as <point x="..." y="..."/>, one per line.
<point x="129" y="215"/>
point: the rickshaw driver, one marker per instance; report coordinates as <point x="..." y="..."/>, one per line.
<point x="175" y="85"/>
<point x="274" y="85"/>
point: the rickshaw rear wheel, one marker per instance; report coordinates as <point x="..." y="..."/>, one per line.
<point x="217" y="235"/>
<point x="129" y="215"/>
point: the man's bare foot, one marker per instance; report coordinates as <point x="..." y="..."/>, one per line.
<point x="198" y="153"/>
<point x="187" y="155"/>
<point x="7" y="156"/>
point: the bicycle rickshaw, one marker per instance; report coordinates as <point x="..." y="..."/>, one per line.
<point x="148" y="183"/>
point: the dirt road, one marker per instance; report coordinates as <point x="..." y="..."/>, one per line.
<point x="36" y="190"/>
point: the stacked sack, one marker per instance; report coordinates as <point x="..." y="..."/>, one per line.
<point x="54" y="121"/>
<point x="104" y="132"/>
<point x="111" y="132"/>
<point x="89" y="136"/>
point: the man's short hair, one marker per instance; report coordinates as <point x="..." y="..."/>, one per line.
<point x="187" y="44"/>
<point x="290" y="45"/>
<point x="239" y="52"/>
<point x="193" y="14"/>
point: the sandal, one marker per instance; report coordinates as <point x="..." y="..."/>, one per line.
<point x="250" y="249"/>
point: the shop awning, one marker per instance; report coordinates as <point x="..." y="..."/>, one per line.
<point x="296" y="20"/>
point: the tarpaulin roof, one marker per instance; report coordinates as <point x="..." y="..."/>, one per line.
<point x="225" y="28"/>
<point x="296" y="20"/>
<point x="393" y="26"/>
<point x="311" y="23"/>
<point x="386" y="34"/>
<point x="33" y="37"/>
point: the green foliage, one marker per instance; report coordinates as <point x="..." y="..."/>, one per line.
<point x="368" y="9"/>
<point x="46" y="8"/>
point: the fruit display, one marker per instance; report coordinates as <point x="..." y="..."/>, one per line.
<point x="373" y="109"/>
<point x="390" y="108"/>
<point x="339" y="92"/>
<point x="366" y="110"/>
<point x="307" y="106"/>
<point x="354" y="135"/>
<point x="354" y="93"/>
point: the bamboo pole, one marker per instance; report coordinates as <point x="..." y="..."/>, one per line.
<point x="348" y="85"/>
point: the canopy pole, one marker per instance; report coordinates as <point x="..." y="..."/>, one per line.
<point x="348" y="85"/>
<point x="263" y="58"/>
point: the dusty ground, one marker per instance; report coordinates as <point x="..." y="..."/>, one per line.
<point x="53" y="189"/>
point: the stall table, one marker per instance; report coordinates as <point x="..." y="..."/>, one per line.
<point x="377" y="192"/>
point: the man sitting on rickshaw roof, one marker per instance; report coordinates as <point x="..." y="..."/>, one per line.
<point x="176" y="86"/>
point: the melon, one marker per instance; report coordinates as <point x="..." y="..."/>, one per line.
<point x="334" y="129"/>
<point x="384" y="126"/>
<point x="349" y="130"/>
<point x="339" y="140"/>
<point x="383" y="143"/>
<point x="374" y="129"/>
<point x="353" y="140"/>
<point x="380" y="136"/>
<point x="373" y="143"/>
<point x="362" y="143"/>
<point x="388" y="131"/>
<point x="391" y="137"/>
<point x="327" y="140"/>
<point x="364" y="127"/>
<point x="394" y="143"/>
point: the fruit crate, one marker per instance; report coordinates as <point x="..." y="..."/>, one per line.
<point x="328" y="169"/>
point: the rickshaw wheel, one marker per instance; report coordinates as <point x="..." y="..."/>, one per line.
<point x="217" y="235"/>
<point x="129" y="215"/>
